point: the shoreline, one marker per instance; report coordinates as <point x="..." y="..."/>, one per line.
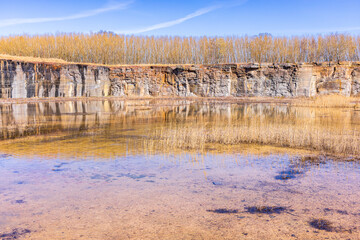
<point x="61" y="62"/>
<point x="175" y="98"/>
<point x="296" y="101"/>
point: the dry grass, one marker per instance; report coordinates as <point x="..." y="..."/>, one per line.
<point x="32" y="59"/>
<point x="328" y="101"/>
<point x="63" y="62"/>
<point x="306" y="135"/>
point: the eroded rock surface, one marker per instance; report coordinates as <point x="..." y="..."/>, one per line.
<point x="26" y="80"/>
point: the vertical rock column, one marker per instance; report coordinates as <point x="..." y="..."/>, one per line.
<point x="305" y="82"/>
<point x="19" y="83"/>
<point x="2" y="81"/>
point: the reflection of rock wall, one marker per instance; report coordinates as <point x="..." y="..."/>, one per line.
<point x="20" y="120"/>
<point x="25" y="80"/>
<point x="73" y="117"/>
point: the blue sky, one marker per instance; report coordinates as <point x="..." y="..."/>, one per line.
<point x="184" y="18"/>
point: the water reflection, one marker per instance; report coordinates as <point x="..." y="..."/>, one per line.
<point x="95" y="170"/>
<point x="112" y="128"/>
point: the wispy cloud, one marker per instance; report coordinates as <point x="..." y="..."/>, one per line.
<point x="90" y="13"/>
<point x="170" y="23"/>
<point x="198" y="13"/>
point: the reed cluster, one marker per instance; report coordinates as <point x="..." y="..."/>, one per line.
<point x="306" y="135"/>
<point x="113" y="49"/>
<point x="328" y="101"/>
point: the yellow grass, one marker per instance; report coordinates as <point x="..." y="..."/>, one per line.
<point x="63" y="62"/>
<point x="32" y="59"/>
<point x="336" y="140"/>
<point x="329" y="101"/>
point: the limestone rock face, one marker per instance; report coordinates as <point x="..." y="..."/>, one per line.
<point x="26" y="80"/>
<point x="355" y="82"/>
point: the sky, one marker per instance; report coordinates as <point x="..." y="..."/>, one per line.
<point x="181" y="18"/>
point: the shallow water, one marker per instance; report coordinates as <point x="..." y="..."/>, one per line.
<point x="85" y="170"/>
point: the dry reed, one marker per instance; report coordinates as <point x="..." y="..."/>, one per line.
<point x="328" y="101"/>
<point x="309" y="136"/>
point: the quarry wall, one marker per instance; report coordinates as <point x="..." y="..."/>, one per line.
<point x="29" y="79"/>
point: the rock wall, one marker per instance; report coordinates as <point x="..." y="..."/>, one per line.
<point x="27" y="80"/>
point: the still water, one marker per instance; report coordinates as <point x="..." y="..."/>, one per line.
<point x="100" y="170"/>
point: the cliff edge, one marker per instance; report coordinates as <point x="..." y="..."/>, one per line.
<point x="21" y="79"/>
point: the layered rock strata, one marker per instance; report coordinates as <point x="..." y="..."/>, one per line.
<point x="27" y="80"/>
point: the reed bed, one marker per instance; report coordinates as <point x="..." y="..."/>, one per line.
<point x="329" y="140"/>
<point x="329" y="101"/>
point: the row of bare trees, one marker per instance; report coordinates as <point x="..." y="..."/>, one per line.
<point x="108" y="48"/>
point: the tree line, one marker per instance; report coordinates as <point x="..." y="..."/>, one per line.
<point x="109" y="48"/>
